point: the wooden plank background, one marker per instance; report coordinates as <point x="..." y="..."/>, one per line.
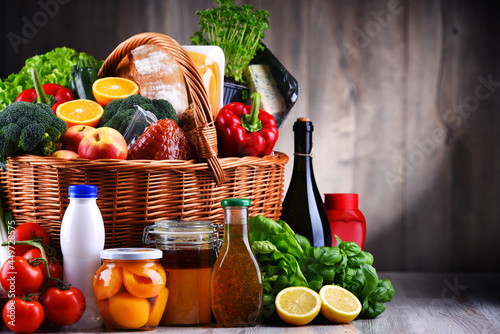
<point x="404" y="96"/>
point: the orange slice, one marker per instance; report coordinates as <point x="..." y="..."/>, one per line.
<point x="80" y="112"/>
<point x="108" y="89"/>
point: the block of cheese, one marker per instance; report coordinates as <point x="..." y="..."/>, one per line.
<point x="157" y="74"/>
<point x="259" y="79"/>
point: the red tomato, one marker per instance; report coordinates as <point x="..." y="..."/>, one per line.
<point x="55" y="268"/>
<point x="22" y="316"/>
<point x="63" y="307"/>
<point x="26" y="232"/>
<point x="18" y="277"/>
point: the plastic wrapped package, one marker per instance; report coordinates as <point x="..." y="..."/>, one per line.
<point x="278" y="88"/>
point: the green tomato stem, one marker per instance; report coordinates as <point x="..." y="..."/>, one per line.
<point x="60" y="284"/>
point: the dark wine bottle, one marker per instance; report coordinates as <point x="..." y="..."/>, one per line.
<point x="303" y="207"/>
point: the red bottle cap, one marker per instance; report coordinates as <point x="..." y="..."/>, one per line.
<point x="341" y="201"/>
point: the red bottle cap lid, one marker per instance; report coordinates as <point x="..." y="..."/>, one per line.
<point x="341" y="201"/>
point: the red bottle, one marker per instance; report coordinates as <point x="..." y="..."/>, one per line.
<point x="346" y="221"/>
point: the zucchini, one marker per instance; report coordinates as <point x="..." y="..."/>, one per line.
<point x="82" y="78"/>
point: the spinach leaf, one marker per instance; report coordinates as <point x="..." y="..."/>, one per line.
<point x="263" y="247"/>
<point x="370" y="278"/>
<point x="303" y="242"/>
<point x="262" y="228"/>
<point x="286" y="243"/>
<point x="384" y="292"/>
<point x="316" y="283"/>
<point x="327" y="255"/>
<point x="371" y="309"/>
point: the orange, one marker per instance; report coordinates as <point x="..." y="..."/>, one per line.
<point x="112" y="88"/>
<point x="80" y="112"/>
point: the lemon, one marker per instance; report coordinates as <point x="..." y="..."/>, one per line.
<point x="297" y="305"/>
<point x="338" y="304"/>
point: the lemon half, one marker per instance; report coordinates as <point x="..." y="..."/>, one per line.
<point x="338" y="304"/>
<point x="297" y="305"/>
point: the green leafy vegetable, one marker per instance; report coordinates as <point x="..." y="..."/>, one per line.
<point x="237" y="30"/>
<point x="288" y="259"/>
<point x="53" y="67"/>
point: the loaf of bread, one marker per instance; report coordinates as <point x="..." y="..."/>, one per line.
<point x="157" y="74"/>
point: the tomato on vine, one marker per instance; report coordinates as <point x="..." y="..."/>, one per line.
<point x="63" y="305"/>
<point x="28" y="232"/>
<point x="20" y="277"/>
<point x="55" y="267"/>
<point x="23" y="315"/>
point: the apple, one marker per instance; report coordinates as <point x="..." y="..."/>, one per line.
<point x="65" y="154"/>
<point x="103" y="143"/>
<point x="71" y="139"/>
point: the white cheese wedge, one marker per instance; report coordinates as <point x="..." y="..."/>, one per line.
<point x="259" y="79"/>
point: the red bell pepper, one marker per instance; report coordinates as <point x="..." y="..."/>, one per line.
<point x="246" y="130"/>
<point x="50" y="93"/>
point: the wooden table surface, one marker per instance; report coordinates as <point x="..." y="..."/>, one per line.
<point x="424" y="303"/>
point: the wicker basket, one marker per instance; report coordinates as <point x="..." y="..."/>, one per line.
<point x="135" y="193"/>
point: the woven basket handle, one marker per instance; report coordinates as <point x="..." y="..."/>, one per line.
<point x="205" y="129"/>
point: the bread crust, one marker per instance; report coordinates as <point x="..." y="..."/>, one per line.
<point x="157" y="74"/>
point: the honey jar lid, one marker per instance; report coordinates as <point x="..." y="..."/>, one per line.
<point x="131" y="254"/>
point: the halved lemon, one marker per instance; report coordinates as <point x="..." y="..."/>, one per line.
<point x="297" y="305"/>
<point x="338" y="304"/>
<point x="80" y="112"/>
<point x="108" y="89"/>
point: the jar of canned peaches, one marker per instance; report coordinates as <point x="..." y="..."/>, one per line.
<point x="131" y="288"/>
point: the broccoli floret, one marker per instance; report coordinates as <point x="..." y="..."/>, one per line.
<point x="166" y="109"/>
<point x="29" y="128"/>
<point x="119" y="113"/>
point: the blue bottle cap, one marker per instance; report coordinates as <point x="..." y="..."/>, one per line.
<point x="82" y="191"/>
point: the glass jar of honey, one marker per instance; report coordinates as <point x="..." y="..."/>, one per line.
<point x="131" y="288"/>
<point x="189" y="251"/>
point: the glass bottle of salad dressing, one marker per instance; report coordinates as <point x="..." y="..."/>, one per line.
<point x="236" y="278"/>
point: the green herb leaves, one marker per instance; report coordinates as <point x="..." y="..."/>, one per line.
<point x="237" y="30"/>
<point x="288" y="259"/>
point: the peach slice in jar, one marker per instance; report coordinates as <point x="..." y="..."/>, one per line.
<point x="158" y="308"/>
<point x="144" y="282"/>
<point x="107" y="282"/>
<point x="128" y="311"/>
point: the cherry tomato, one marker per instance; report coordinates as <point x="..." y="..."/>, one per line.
<point x="63" y="307"/>
<point x="23" y="316"/>
<point x="19" y="277"/>
<point x="26" y="232"/>
<point x="55" y="267"/>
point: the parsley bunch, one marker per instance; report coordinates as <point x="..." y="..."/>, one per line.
<point x="237" y="30"/>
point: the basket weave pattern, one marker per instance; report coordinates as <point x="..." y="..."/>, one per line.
<point x="133" y="194"/>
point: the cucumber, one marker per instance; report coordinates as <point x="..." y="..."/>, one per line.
<point x="82" y="78"/>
